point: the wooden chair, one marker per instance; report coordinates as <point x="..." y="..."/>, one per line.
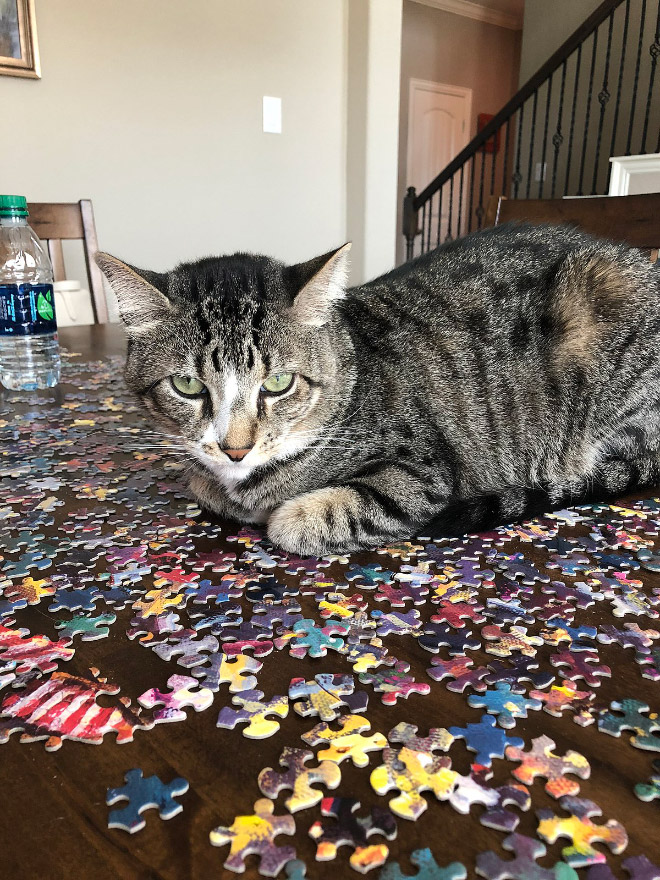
<point x="633" y="219"/>
<point x="57" y="222"/>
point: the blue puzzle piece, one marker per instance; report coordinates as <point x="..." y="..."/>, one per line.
<point x="369" y="575"/>
<point x="504" y="703"/>
<point x="428" y="869"/>
<point x="649" y="559"/>
<point x="296" y="870"/>
<point x="74" y="600"/>
<point x="487" y="740"/>
<point x="9" y="606"/>
<point x="215" y="623"/>
<point x="516" y="566"/>
<point x="22" y="567"/>
<point x="616" y="561"/>
<point x="142" y="794"/>
<point x="311" y="638"/>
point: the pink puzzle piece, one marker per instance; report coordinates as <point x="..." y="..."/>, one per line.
<point x="184" y="692"/>
<point x="31" y="653"/>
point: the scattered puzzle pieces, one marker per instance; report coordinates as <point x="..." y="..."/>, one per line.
<point x="326" y="695"/>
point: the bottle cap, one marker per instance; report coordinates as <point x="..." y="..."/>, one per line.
<point x="13" y="206"/>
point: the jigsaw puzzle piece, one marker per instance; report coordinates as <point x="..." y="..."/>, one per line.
<point x="143" y="793"/>
<point x="236" y="671"/>
<point x="582" y="831"/>
<point x="487" y="740"/>
<point x="299" y="778"/>
<point x="540" y="760"/>
<point x="412" y="773"/>
<point x="650" y="791"/>
<point x="255" y="713"/>
<point x="640" y="868"/>
<point x="87" y="627"/>
<point x="428" y="869"/>
<point x="394" y="682"/>
<point x="184" y="692"/>
<point x="254" y="834"/>
<point x="347" y="742"/>
<point x="353" y="830"/>
<point x="524" y="866"/>
<point x="636" y="717"/>
<point x="503" y="702"/>
<point x="34" y="654"/>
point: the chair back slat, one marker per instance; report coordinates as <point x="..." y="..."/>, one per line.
<point x="57" y="258"/>
<point x="53" y="220"/>
<point x="632" y="219"/>
<point x="56" y="222"/>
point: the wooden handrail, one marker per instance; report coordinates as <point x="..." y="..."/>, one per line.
<point x="587" y="27"/>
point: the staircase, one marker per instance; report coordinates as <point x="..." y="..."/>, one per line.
<point x="594" y="98"/>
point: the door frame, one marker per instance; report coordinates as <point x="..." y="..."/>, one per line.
<point x="425" y="85"/>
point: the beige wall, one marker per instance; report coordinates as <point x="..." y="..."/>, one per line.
<point x="546" y="26"/>
<point x="374" y="67"/>
<point x="153" y="110"/>
<point x="443" y="47"/>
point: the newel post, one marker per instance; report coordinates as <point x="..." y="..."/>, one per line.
<point x="410" y="228"/>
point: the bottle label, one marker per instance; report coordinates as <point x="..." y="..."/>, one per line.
<point x="27" y="309"/>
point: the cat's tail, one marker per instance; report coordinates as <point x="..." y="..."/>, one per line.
<point x="613" y="478"/>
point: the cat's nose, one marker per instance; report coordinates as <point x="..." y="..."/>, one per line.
<point x="237" y="454"/>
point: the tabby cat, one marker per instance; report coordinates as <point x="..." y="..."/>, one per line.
<point x="499" y="376"/>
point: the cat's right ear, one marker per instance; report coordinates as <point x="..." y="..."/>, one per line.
<point x="142" y="305"/>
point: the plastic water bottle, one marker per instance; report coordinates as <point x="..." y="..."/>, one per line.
<point x="29" y="351"/>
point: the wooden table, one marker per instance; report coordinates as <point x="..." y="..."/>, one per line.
<point x="54" y="817"/>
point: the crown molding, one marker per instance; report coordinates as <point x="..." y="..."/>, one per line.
<point x="469" y="9"/>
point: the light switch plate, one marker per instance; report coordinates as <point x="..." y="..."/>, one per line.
<point x="272" y="115"/>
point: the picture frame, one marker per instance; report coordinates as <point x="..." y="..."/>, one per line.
<point x="19" y="49"/>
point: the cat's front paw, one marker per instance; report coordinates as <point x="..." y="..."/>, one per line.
<point x="317" y="522"/>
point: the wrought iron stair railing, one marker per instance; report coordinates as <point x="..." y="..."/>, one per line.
<point x="595" y="97"/>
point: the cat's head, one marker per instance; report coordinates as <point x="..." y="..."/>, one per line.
<point x="241" y="357"/>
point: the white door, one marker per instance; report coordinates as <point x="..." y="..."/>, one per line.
<point x="439" y="119"/>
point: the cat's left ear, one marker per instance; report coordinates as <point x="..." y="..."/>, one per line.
<point x="142" y="305"/>
<point x="319" y="283"/>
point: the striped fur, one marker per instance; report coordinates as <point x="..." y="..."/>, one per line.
<point x="497" y="377"/>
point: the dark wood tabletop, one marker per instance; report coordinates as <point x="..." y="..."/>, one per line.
<point x="76" y="494"/>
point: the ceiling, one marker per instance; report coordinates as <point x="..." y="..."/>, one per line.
<point x="507" y="13"/>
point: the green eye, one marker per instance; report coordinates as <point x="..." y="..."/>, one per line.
<point x="188" y="386"/>
<point x="278" y="383"/>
